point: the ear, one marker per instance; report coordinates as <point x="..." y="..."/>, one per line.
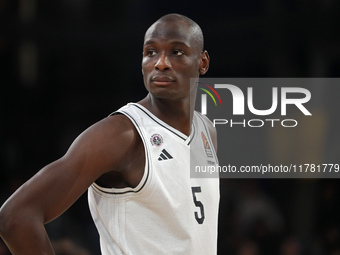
<point x="204" y="62"/>
<point x="142" y="65"/>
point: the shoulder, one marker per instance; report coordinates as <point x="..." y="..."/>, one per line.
<point x="116" y="127"/>
<point x="105" y="146"/>
<point x="211" y="129"/>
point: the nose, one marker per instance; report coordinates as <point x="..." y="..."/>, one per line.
<point x="163" y="63"/>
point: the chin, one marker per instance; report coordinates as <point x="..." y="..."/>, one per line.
<point x="163" y="94"/>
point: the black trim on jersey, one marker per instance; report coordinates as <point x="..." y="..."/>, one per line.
<point x="209" y="136"/>
<point x="147" y="157"/>
<point x="159" y="123"/>
<point x="192" y="135"/>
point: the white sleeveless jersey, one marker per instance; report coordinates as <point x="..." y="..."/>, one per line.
<point x="168" y="212"/>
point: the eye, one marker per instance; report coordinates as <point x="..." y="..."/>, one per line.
<point x="150" y="52"/>
<point x="178" y="52"/>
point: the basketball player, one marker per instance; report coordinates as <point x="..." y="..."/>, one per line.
<point x="135" y="164"/>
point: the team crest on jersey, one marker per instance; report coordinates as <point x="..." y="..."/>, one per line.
<point x="156" y="139"/>
<point x="206" y="146"/>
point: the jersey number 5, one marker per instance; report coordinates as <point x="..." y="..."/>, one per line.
<point x="198" y="204"/>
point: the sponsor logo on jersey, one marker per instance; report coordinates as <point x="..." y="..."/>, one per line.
<point x="164" y="155"/>
<point x="206" y="146"/>
<point x="156" y="139"/>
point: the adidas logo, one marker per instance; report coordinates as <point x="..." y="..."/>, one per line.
<point x="164" y="155"/>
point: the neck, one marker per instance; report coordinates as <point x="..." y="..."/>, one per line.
<point x="176" y="113"/>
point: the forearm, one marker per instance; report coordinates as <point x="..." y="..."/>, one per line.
<point x="26" y="236"/>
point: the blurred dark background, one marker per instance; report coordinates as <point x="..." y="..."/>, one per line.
<point x="67" y="64"/>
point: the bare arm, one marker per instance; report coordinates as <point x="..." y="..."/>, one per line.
<point x="58" y="185"/>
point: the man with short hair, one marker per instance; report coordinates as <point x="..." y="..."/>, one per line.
<point x="135" y="164"/>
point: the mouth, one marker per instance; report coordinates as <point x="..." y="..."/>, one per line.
<point x="162" y="80"/>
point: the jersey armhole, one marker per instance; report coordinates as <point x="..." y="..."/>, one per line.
<point x="140" y="187"/>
